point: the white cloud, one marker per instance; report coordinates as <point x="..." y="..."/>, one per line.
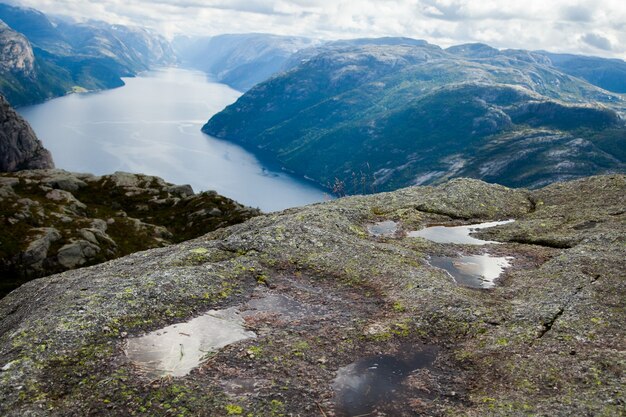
<point x="578" y="26"/>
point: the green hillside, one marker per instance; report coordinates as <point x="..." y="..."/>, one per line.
<point x="370" y="117"/>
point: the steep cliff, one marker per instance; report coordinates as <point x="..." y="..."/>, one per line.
<point x="16" y="52"/>
<point x="352" y="314"/>
<point x="19" y="146"/>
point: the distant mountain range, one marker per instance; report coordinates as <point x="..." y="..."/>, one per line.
<point x="368" y="115"/>
<point x="359" y="115"/>
<point x="240" y="60"/>
<point x="44" y="57"/>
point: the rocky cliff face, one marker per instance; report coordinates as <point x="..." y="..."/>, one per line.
<point x="53" y="220"/>
<point x="16" y="52"/>
<point x="19" y="146"/>
<point x="352" y="315"/>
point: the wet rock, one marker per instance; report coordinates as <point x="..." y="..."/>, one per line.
<point x="312" y="283"/>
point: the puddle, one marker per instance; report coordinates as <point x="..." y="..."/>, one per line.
<point x="284" y="308"/>
<point x="387" y="228"/>
<point x="456" y="234"/>
<point x="363" y="385"/>
<point x="177" y="349"/>
<point x="476" y="271"/>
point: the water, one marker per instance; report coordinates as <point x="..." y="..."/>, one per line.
<point x="152" y="126"/>
<point x="363" y="385"/>
<point x="456" y="234"/>
<point x="386" y="228"/>
<point x="476" y="271"/>
<point x="177" y="349"/>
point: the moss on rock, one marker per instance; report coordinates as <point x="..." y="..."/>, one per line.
<point x="547" y="340"/>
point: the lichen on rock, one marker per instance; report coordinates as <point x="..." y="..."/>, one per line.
<point x="53" y="220"/>
<point x="546" y="340"/>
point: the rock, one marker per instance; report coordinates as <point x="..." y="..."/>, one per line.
<point x="125" y="179"/>
<point x="76" y="205"/>
<point x="77" y="253"/>
<point x="16" y="52"/>
<point x="64" y="180"/>
<point x="37" y="250"/>
<point x="19" y="147"/>
<point x="70" y="202"/>
<point x="88" y="235"/>
<point x="340" y="298"/>
<point x="181" y="190"/>
<point x="99" y="224"/>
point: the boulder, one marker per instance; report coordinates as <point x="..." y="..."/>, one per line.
<point x="77" y="253"/>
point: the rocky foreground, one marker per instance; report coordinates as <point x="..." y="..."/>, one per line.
<point x="333" y="299"/>
<point x="54" y="220"/>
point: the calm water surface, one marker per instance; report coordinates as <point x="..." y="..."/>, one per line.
<point x="152" y="126"/>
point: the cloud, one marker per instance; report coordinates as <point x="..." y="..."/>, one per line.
<point x="575" y="26"/>
<point x="597" y="41"/>
<point x="577" y="13"/>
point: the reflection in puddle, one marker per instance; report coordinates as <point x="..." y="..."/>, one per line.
<point x="176" y="350"/>
<point x="363" y="385"/>
<point x="476" y="271"/>
<point x="456" y="234"/>
<point x="285" y="307"/>
<point x="387" y="228"/>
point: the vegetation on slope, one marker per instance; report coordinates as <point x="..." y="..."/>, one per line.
<point x="53" y="220"/>
<point x="380" y="116"/>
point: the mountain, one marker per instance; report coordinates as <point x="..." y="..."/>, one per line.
<point x="53" y="220"/>
<point x="66" y="56"/>
<point x="609" y="74"/>
<point x="312" y="312"/>
<point x="240" y="60"/>
<point x="17" y="53"/>
<point x="389" y="113"/>
<point x="135" y="49"/>
<point x="19" y="146"/>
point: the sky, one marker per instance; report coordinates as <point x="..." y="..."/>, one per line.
<point x="591" y="27"/>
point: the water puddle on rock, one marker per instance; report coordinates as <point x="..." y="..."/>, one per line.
<point x="456" y="234"/>
<point x="285" y="308"/>
<point x="374" y="381"/>
<point x="476" y="271"/>
<point x="387" y="228"/>
<point x="177" y="349"/>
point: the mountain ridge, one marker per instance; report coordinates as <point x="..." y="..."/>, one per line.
<point x="353" y="114"/>
<point x="75" y="57"/>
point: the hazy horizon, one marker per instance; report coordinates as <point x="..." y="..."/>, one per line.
<point x="582" y="27"/>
